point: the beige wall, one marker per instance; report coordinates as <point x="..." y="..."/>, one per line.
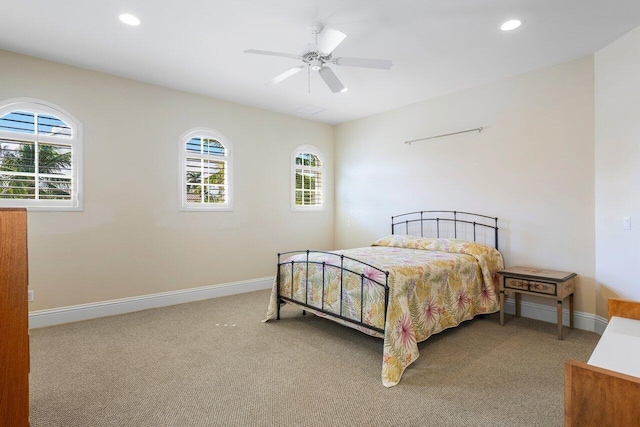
<point x="557" y="164"/>
<point x="617" y="125"/>
<point x="131" y="239"/>
<point x="533" y="167"/>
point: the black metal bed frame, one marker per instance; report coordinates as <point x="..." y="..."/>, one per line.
<point x="342" y="270"/>
<point x="413" y="218"/>
<point x="456" y="217"/>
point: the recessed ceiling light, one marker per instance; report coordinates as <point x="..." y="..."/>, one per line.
<point x="511" y="25"/>
<point x="129" y="19"/>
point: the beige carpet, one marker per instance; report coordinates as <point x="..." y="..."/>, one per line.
<point x="213" y="363"/>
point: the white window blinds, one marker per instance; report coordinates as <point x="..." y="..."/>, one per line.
<point x="206" y="171"/>
<point x="38" y="159"/>
<point x="308" y="177"/>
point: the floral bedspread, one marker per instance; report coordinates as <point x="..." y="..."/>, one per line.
<point x="434" y="284"/>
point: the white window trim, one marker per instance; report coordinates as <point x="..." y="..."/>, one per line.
<point x="197" y="207"/>
<point x="40" y="106"/>
<point x="305" y="148"/>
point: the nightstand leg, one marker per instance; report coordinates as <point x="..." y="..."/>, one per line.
<point x="502" y="297"/>
<point x="518" y="299"/>
<point x="571" y="311"/>
<point x="559" y="320"/>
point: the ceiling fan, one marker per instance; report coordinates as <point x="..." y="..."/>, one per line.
<point x="316" y="56"/>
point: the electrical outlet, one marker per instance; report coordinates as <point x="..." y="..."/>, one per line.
<point x="626" y="223"/>
<point x="30" y="296"/>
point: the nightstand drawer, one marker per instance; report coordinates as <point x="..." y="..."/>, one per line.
<point x="530" y="286"/>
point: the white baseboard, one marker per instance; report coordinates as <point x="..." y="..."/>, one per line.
<point x="74" y="313"/>
<point x="581" y="320"/>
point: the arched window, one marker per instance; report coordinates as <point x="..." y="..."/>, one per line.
<point x="206" y="170"/>
<point x="307" y="176"/>
<point x="40" y="156"/>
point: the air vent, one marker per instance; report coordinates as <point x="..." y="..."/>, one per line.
<point x="309" y="110"/>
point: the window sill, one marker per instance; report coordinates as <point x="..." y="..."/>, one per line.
<point x="35" y="208"/>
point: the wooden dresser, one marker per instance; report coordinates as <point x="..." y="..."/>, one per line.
<point x="14" y="321"/>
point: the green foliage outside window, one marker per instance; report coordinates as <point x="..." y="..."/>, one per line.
<point x="308" y="180"/>
<point x="212" y="185"/>
<point x="21" y="161"/>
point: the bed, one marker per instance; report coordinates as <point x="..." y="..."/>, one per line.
<point x="403" y="288"/>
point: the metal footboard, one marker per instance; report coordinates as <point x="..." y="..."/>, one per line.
<point x="306" y="263"/>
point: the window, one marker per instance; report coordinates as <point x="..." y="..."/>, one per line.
<point x="306" y="179"/>
<point x="206" y="171"/>
<point x="40" y="154"/>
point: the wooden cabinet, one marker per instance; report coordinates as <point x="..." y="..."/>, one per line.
<point x="14" y="321"/>
<point x="606" y="391"/>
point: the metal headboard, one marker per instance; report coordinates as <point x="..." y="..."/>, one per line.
<point x="414" y="221"/>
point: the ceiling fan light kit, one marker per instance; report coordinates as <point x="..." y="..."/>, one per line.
<point x="316" y="56"/>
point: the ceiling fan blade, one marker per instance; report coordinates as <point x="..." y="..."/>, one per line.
<point x="381" y="64"/>
<point x="330" y="40"/>
<point x="268" y="52"/>
<point x="285" y="75"/>
<point x="331" y="80"/>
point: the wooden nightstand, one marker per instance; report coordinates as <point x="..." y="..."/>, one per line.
<point x="539" y="282"/>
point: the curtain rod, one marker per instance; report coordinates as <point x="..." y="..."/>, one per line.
<point x="446" y="134"/>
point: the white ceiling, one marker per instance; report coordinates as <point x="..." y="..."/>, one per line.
<point x="437" y="46"/>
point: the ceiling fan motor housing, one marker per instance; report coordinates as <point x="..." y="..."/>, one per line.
<point x="314" y="59"/>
